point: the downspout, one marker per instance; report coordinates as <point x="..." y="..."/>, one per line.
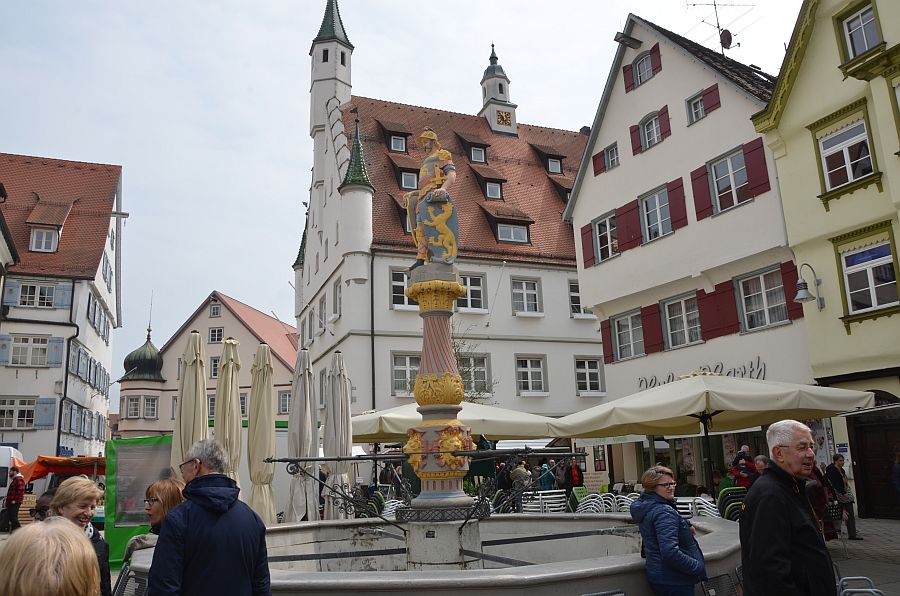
<point x="65" y="367"/>
<point x="372" y="322"/>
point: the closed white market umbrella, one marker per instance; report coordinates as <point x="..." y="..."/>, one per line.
<point x="191" y="414"/>
<point x="227" y="421"/>
<point x="303" y="441"/>
<point x="261" y="436"/>
<point x="338" y="440"/>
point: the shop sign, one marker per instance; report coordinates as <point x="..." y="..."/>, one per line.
<point x="755" y="368"/>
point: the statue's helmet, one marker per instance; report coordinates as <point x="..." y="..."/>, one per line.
<point x="428" y="133"/>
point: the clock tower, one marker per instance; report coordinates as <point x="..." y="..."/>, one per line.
<point x="499" y="111"/>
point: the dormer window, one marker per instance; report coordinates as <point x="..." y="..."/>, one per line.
<point x="409" y="180"/>
<point x="493" y="190"/>
<point x="44" y="239"/>
<point x="554" y="166"/>
<point x="478" y="154"/>
<point x="512" y="233"/>
<point x="398" y="143"/>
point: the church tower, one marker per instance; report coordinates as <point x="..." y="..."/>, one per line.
<point x="330" y="55"/>
<point x="499" y="111"/>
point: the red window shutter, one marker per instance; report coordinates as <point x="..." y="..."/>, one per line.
<point x="628" y="75"/>
<point x="702" y="198"/>
<point x="587" y="245"/>
<point x="599" y="161"/>
<point x="665" y="127"/>
<point x="755" y="162"/>
<point x="789" y="283"/>
<point x="635" y="139"/>
<point x="711" y="99"/>
<point x="677" y="209"/>
<point x="606" y="337"/>
<point x="655" y="60"/>
<point x="628" y="226"/>
<point x="718" y="311"/>
<point x="652" y="327"/>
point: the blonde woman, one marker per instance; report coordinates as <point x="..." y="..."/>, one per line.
<point x="52" y="557"/>
<point x="76" y="499"/>
<point x="162" y="496"/>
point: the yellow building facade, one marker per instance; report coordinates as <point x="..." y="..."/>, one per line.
<point x="833" y="125"/>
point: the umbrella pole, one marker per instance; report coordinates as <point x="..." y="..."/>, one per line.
<point x="651" y="440"/>
<point x="707" y="453"/>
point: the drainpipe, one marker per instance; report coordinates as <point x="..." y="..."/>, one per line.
<point x="372" y="321"/>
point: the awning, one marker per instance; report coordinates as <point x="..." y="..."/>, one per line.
<point x="45" y="465"/>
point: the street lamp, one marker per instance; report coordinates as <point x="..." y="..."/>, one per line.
<point x="803" y="294"/>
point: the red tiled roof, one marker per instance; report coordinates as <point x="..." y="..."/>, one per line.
<point x="472" y="139"/>
<point x="504" y="212"/>
<point x="562" y="181"/>
<point x="487" y="173"/>
<point x="394" y="127"/>
<point x="549" y="151"/>
<point x="404" y="162"/>
<point x="37" y="188"/>
<point x="528" y="189"/>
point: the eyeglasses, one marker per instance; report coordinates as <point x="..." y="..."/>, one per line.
<point x="802" y="447"/>
<point x="667" y="484"/>
<point x="181" y="466"/>
<point x="151" y="501"/>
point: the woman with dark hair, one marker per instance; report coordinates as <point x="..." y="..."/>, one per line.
<point x="674" y="561"/>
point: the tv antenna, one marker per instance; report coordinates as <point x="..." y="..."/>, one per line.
<point x="726" y="37"/>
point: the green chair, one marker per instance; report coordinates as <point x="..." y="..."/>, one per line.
<point x="580" y="493"/>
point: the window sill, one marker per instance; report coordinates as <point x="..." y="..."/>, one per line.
<point x="850" y="188"/>
<point x="320" y="331"/>
<point x="700" y="119"/>
<point x="687" y="345"/>
<point x="764" y="327"/>
<point x="472" y="311"/>
<point x="607" y="259"/>
<point x="584" y="316"/>
<point x="529" y="315"/>
<point x="403" y="394"/>
<point x="871" y="63"/>
<point x="869" y="315"/>
<point x="592" y="394"/>
<point x="717" y="212"/>
<point x="405" y="307"/>
<point x="660" y="237"/>
<point x="334" y="317"/>
<point x="534" y="394"/>
<point x="636" y="356"/>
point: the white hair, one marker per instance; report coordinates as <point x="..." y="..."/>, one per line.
<point x="782" y="433"/>
<point x="210" y="453"/>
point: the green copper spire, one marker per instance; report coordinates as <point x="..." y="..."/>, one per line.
<point x="332" y="28"/>
<point x="356" y="171"/>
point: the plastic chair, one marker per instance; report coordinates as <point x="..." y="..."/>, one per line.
<point x="580" y="492"/>
<point x="705" y="509"/>
<point x="623" y="503"/>
<point x="609" y="502"/>
<point x="685" y="507"/>
<point x="720" y="585"/>
<point x="733" y="511"/>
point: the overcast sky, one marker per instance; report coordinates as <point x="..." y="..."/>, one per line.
<point x="205" y="106"/>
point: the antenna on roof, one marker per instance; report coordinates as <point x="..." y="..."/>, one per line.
<point x="150" y="317"/>
<point x="726" y="37"/>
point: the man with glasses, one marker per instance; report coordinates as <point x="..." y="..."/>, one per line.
<point x="782" y="547"/>
<point x="212" y="543"/>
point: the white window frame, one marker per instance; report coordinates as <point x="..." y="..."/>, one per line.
<point x="531" y="370"/>
<point x="30" y="351"/>
<point x="627" y="326"/>
<point x="655" y="204"/>
<point x="845" y="26"/>
<point x="867" y="267"/>
<point x="151" y="407"/>
<point x="17" y="413"/>
<point x="641" y="74"/>
<point x="214" y="366"/>
<point x="215" y="310"/>
<point x="554" y="165"/>
<point x="764" y="293"/>
<point x="174" y="406"/>
<point x="527" y="293"/>
<point x="651" y="133"/>
<point x="409" y="180"/>
<point x="517" y="233"/>
<point x="323" y="313"/>
<point x="408" y="369"/>
<point x="398" y="291"/>
<point x="732" y="174"/>
<point x="336" y="291"/>
<point x="211" y="405"/>
<point x="66" y="420"/>
<point x="576" y="309"/>
<point x="695" y="109"/>
<point x="398" y="143"/>
<point x="493" y="190"/>
<point x="843" y="147"/>
<point x="323" y="387"/>
<point x="284" y="403"/>
<point x="216" y="335"/>
<point x="44" y="239"/>
<point x="39" y="296"/>
<point x="470" y="366"/>
<point x="692" y="332"/>
<point x="478" y="154"/>
<point x="589" y="374"/>
<point x="473" y="301"/>
<point x="611" y="156"/>
<point x="133" y="406"/>
<point x="606" y="237"/>
<point x="244" y="400"/>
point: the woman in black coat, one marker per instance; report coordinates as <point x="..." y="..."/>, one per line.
<point x="76" y="499"/>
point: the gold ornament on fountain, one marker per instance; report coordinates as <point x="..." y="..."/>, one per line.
<point x="454" y="439"/>
<point x="415" y="447"/>
<point x="431" y="390"/>
<point x="436" y="294"/>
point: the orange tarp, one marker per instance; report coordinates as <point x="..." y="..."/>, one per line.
<point x="45" y="465"/>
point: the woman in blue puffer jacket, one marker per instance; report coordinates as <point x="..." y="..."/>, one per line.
<point x="674" y="561"/>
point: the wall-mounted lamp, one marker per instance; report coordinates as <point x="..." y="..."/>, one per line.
<point x="803" y="294"/>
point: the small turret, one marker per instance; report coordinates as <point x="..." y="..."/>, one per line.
<point x="499" y="111"/>
<point x="144" y="364"/>
<point x="356" y="213"/>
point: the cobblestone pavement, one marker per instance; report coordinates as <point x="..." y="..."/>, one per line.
<point x="876" y="556"/>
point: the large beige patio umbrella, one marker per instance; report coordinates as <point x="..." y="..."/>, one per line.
<point x="337" y="440"/>
<point x="227" y="421"/>
<point x="303" y="441"/>
<point x="261" y="436"/>
<point x="191" y="415"/>
<point x="492" y="422"/>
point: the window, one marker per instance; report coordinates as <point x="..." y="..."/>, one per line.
<point x="312" y="319"/>
<point x="39" y="296"/>
<point x="629" y="336"/>
<point x="343" y="58"/>
<point x="174" y="406"/>
<point x="587" y="375"/>
<point x="526" y="296"/>
<point x="107" y="272"/>
<point x="150" y="407"/>
<point x="323" y="387"/>
<point x="870" y="279"/>
<point x="861" y="32"/>
<point x="730" y="180"/>
<point x="211" y="405"/>
<point x="404" y="368"/>
<point x="133" y="406"/>
<point x="493" y="190"/>
<point x="611" y="156"/>
<point x="178" y="370"/>
<point x="845" y="155"/>
<point x="215" y="310"/>
<point x="575" y="307"/>
<point x="409" y="180"/>
<point x="606" y="237"/>
<point x="643" y="70"/>
<point x="303" y="333"/>
<point x="398" y="290"/>
<point x="323" y="311"/>
<point x="478" y="154"/>
<point x="243" y="405"/>
<point x="65" y="421"/>
<point x="398" y="143"/>
<point x="512" y="233"/>
<point x="474" y="372"/>
<point x="43" y="240"/>
<point x="554" y="166"/>
<point x="112" y="239"/>
<point x="655" y="215"/>
<point x="336" y="299"/>
<point x="214" y="367"/>
<point x="682" y="321"/>
<point x="17" y="413"/>
<point x="650" y="132"/>
<point x="216" y="334"/>
<point x="530" y="375"/>
<point x="695" y="108"/>
<point x="325" y="55"/>
<point x="474" y="298"/>
<point x="29" y="351"/>
<point x="284" y="402"/>
<point x="762" y="298"/>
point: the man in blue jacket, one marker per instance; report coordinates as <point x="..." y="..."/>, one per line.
<point x="212" y="543"/>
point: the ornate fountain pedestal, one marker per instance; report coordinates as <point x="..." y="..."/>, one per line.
<point x="436" y="532"/>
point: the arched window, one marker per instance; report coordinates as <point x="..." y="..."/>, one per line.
<point x="643" y="69"/>
<point x="651" y="134"/>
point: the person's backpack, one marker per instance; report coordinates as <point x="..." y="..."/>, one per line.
<point x="504" y="481"/>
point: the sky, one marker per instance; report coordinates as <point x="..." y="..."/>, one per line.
<point x="205" y="105"/>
